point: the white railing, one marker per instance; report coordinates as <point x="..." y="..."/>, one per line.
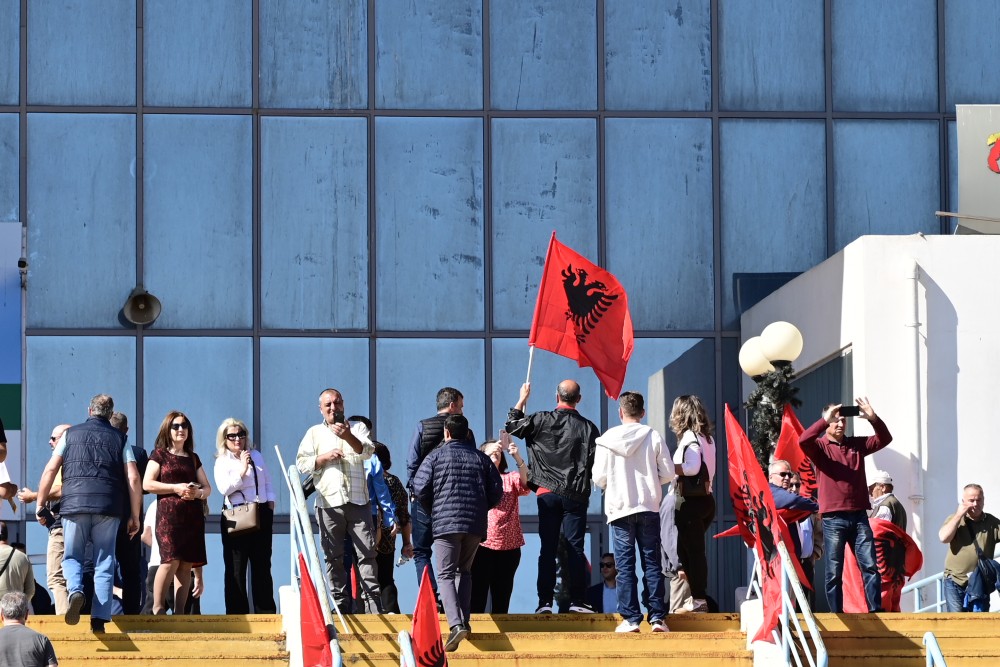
<point x="406" y="657"/>
<point x="934" y="656"/>
<point x="917" y="588"/>
<point x="790" y="635"/>
<point x="303" y="541"/>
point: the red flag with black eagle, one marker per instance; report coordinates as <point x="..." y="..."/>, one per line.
<point x="898" y="558"/>
<point x="754" y="507"/>
<point x="582" y="313"/>
<point x="316" y="650"/>
<point x="428" y="649"/>
<point x="788" y="449"/>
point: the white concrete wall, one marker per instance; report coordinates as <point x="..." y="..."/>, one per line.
<point x="862" y="299"/>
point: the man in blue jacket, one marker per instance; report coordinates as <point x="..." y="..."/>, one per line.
<point x="779" y="475"/>
<point x="458" y="485"/>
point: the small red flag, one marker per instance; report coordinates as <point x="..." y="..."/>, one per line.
<point x="428" y="649"/>
<point x="582" y="313"/>
<point x="788" y="449"/>
<point x="315" y="636"/>
<point x="756" y="513"/>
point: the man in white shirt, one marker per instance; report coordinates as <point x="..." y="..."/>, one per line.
<point x="334" y="453"/>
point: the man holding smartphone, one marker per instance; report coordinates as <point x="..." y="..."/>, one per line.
<point x="843" y="496"/>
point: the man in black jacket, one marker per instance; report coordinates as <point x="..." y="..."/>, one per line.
<point x="561" y="446"/>
<point x="458" y="485"/>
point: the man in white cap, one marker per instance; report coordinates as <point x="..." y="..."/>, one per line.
<point x="884" y="504"/>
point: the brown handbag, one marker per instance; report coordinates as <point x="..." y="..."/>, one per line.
<point x="245" y="518"/>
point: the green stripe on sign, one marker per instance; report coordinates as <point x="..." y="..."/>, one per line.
<point x="10" y="406"/>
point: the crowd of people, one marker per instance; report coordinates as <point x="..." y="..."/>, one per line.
<point x="457" y="513"/>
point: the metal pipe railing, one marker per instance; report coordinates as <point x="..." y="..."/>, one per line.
<point x="934" y="656"/>
<point x="406" y="656"/>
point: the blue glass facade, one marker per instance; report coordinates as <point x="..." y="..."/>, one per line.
<point x="360" y="194"/>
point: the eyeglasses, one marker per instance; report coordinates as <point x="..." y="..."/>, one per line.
<point x="604" y="565"/>
<point x="182" y="425"/>
<point x="794" y="486"/>
<point x="783" y="474"/>
<point x="52" y="438"/>
<point x="235" y="436"/>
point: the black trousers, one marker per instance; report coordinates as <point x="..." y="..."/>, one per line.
<point x="387" y="582"/>
<point x="254" y="550"/>
<point x="694" y="518"/>
<point x="493" y="576"/>
<point x="128" y="553"/>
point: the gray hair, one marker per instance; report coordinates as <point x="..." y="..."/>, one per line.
<point x="778" y="463"/>
<point x="102" y="406"/>
<point x="15" y="606"/>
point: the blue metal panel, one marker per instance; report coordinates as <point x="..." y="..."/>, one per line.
<point x="10" y="51"/>
<point x="659" y="219"/>
<point x="81" y="218"/>
<point x="544" y="180"/>
<point x="970" y="61"/>
<point x="208" y="379"/>
<point x="658" y="58"/>
<point x="429" y="222"/>
<point x="314" y="54"/>
<point x="885" y="56"/>
<point x="63" y="374"/>
<point x="773" y="197"/>
<point x="771" y="55"/>
<point x="410" y="372"/>
<point x="198" y="208"/>
<point x="543" y="54"/>
<point x="10" y="150"/>
<point x="293" y="372"/>
<point x="886" y="176"/>
<point x="81" y="52"/>
<point x="197" y="53"/>
<point x="429" y="55"/>
<point x="314" y="223"/>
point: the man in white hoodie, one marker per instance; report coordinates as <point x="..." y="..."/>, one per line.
<point x="631" y="464"/>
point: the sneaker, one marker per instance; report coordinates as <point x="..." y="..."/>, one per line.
<point x="76" y="600"/>
<point x="695" y="606"/>
<point x="96" y="625"/>
<point x="544" y="608"/>
<point x="659" y="626"/>
<point x="455" y="638"/>
<point x="580" y="608"/>
<point x="627" y="626"/>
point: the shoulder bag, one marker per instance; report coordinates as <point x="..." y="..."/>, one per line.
<point x="245" y="518"/>
<point x="694" y="486"/>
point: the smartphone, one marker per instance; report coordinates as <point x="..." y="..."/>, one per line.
<point x="338" y="417"/>
<point x="850" y="411"/>
<point x="46" y="514"/>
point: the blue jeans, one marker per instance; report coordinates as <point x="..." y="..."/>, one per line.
<point x="101" y="531"/>
<point x="850" y="528"/>
<point x="557" y="513"/>
<point x="423" y="539"/>
<point x="642" y="529"/>
<point x="954" y="598"/>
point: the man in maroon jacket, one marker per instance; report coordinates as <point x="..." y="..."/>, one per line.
<point x="843" y="497"/>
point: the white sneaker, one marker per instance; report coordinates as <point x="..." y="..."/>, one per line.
<point x="659" y="626"/>
<point x="695" y="606"/>
<point x="627" y="626"/>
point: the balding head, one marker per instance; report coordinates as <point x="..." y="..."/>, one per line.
<point x="568" y="392"/>
<point x="56" y="434"/>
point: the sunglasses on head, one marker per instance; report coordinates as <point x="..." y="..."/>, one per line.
<point x="182" y="425"/>
<point x="235" y="436"/>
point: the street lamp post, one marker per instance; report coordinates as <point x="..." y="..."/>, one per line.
<point x="768" y="360"/>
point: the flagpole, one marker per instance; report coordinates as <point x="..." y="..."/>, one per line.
<point x="531" y="359"/>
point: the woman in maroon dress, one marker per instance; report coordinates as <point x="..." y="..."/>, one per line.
<point x="175" y="475"/>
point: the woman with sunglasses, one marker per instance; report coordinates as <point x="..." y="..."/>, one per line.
<point x="241" y="478"/>
<point x="499" y="554"/>
<point x="175" y="474"/>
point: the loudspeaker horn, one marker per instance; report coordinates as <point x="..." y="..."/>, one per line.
<point x="141" y="307"/>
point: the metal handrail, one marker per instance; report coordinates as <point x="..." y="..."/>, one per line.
<point x="934" y="655"/>
<point x="916" y="587"/>
<point x="303" y="541"/>
<point x="789" y="625"/>
<point x="406" y="656"/>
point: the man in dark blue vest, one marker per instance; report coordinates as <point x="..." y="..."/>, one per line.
<point x="98" y="470"/>
<point x="428" y="436"/>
